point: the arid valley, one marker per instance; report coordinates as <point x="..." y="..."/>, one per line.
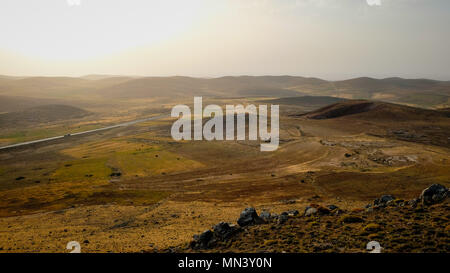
<point x="135" y="189"/>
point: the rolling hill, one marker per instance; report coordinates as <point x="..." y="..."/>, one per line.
<point x="306" y="101"/>
<point x="379" y="111"/>
<point x="388" y="120"/>
<point x="17" y="103"/>
<point x="415" y="92"/>
<point x="41" y="114"/>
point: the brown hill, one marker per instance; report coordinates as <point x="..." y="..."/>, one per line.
<point x="187" y="86"/>
<point x="307" y="101"/>
<point x="55" y="87"/>
<point x="96" y="77"/>
<point x="388" y="120"/>
<point x="370" y="110"/>
<point x="15" y="103"/>
<point x="421" y="92"/>
<point x="41" y="114"/>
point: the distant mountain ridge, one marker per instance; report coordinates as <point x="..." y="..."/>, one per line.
<point x="306" y="100"/>
<point x="418" y="92"/>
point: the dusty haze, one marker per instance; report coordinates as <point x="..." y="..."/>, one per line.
<point x="320" y="38"/>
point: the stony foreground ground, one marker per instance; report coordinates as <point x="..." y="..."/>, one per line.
<point x="398" y="228"/>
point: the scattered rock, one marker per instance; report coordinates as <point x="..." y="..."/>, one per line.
<point x="116" y="174"/>
<point x="265" y="215"/>
<point x="382" y="201"/>
<point x="292" y="212"/>
<point x="20" y="178"/>
<point x="274" y="216"/>
<point x="433" y="194"/>
<point x="323" y="210"/>
<point x="390" y="203"/>
<point x="338" y="212"/>
<point x="413" y="203"/>
<point x="332" y="207"/>
<point x="310" y="211"/>
<point x="283" y="218"/>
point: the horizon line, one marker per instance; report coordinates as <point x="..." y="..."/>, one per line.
<point x="215" y="77"/>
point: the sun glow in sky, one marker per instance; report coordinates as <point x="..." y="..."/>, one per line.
<point x="57" y="30"/>
<point x="322" y="38"/>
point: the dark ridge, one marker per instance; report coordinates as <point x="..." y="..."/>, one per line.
<point x="339" y="110"/>
<point x="379" y="111"/>
<point x="306" y="100"/>
<point x="42" y="114"/>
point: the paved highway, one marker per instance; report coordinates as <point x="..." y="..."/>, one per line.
<point x="81" y="133"/>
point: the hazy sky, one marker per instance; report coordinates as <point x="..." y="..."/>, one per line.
<point x="332" y="39"/>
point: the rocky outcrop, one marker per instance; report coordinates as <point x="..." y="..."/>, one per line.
<point x="434" y="194"/>
<point x="249" y="217"/>
<point x="223" y="232"/>
<point x="321" y="210"/>
<point x="202" y="240"/>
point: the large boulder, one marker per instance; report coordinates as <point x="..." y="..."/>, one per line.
<point x="248" y="217"/>
<point x="433" y="194"/>
<point x="202" y="240"/>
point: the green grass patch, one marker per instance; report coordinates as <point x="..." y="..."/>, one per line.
<point x="150" y="162"/>
<point x="90" y="169"/>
